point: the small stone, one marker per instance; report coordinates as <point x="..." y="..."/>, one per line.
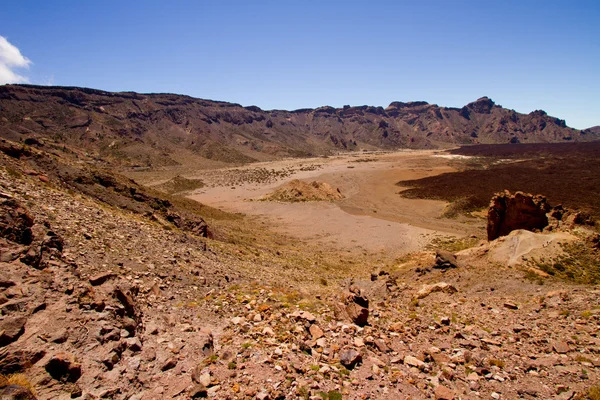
<point x="60" y="336"/>
<point x="316" y="332"/>
<point x="511" y="306"/>
<point x="152" y="329"/>
<point x="426" y="290"/>
<point x="99" y="279"/>
<point x="561" y="347"/>
<point x="473" y="377"/>
<point x="349" y="358"/>
<point x="359" y="315"/>
<point x="198" y="391"/>
<point x="11" y="329"/>
<point x="168" y="364"/>
<point x="133" y="364"/>
<point x="443" y="393"/>
<point x="268" y="331"/>
<point x="64" y="366"/>
<point x="413" y="362"/>
<point x="204" y="379"/>
<point x="134" y="344"/>
<point x="382" y="346"/>
<point x="444" y="260"/>
<point x="263" y="396"/>
<point x="495" y="395"/>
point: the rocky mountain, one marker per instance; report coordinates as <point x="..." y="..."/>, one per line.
<point x="150" y="130"/>
<point x="594" y="130"/>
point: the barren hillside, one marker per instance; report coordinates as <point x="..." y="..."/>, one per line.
<point x="150" y="130"/>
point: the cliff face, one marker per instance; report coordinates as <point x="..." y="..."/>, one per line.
<point x="132" y="129"/>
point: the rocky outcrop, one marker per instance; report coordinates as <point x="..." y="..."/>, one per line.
<point x="508" y="212"/>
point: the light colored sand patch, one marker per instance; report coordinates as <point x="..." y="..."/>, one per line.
<point x="372" y="217"/>
<point x="453" y="156"/>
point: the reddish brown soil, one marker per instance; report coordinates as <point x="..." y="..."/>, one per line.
<point x="568" y="174"/>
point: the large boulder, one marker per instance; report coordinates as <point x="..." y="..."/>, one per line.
<point x="509" y="212"/>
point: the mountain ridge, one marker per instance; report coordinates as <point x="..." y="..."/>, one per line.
<point x="160" y="129"/>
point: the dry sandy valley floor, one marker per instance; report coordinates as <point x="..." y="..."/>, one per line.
<point x="371" y="218"/>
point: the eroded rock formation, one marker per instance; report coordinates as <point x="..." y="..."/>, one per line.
<point x="508" y="212"/>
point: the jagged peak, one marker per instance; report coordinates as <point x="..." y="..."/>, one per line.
<point x="400" y="104"/>
<point x="482" y="105"/>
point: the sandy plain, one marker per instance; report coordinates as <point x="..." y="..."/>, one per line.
<point x="373" y="218"/>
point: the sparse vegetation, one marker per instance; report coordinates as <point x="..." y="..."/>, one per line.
<point x="461" y="206"/>
<point x="17" y="379"/>
<point x="593" y="393"/>
<point x="579" y="263"/>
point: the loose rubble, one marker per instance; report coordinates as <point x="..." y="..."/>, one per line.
<point x="100" y="302"/>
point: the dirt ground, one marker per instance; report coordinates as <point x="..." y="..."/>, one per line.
<point x="372" y="218"/>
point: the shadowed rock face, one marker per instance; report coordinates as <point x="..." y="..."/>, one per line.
<point x="149" y="130"/>
<point x="509" y="212"/>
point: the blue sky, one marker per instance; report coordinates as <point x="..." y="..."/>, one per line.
<point x="525" y="54"/>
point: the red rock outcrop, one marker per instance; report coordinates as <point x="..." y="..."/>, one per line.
<point x="508" y="212"/>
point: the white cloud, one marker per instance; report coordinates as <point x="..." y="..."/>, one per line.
<point x="11" y="59"/>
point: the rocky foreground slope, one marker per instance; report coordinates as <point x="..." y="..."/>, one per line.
<point x="150" y="130"/>
<point x="98" y="300"/>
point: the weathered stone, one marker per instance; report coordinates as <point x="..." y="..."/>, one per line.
<point x="168" y="364"/>
<point x="11" y="329"/>
<point x="204" y="379"/>
<point x="443" y="393"/>
<point x="349" y="358"/>
<point x="99" y="279"/>
<point x="127" y="301"/>
<point x="63" y="366"/>
<point x="359" y="315"/>
<point x="198" y="391"/>
<point x="206" y="342"/>
<point x="437" y="287"/>
<point x="14" y="361"/>
<point x="561" y="347"/>
<point x="444" y="260"/>
<point x="380" y="344"/>
<point x="60" y="336"/>
<point x="509" y="212"/>
<point x="263" y="396"/>
<point x="134" y="344"/>
<point x="316" y="332"/>
<point x="413" y="362"/>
